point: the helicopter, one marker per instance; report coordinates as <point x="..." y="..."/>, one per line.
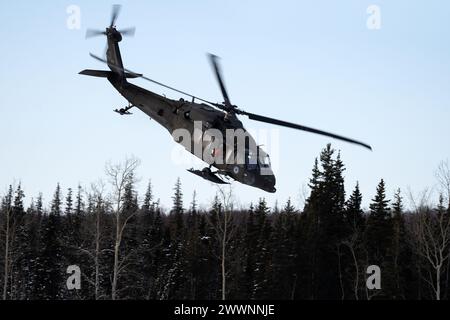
<point x="244" y="162"/>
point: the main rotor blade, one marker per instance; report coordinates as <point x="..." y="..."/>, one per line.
<point x="218" y="73"/>
<point x="128" y="32"/>
<point x="93" y="33"/>
<point x="138" y="75"/>
<point x="256" y="117"/>
<point x="115" y="14"/>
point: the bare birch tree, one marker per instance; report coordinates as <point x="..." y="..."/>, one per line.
<point x="119" y="176"/>
<point x="224" y="229"/>
<point x="98" y="192"/>
<point x="352" y="244"/>
<point x="94" y="252"/>
<point x="443" y="177"/>
<point x="431" y="234"/>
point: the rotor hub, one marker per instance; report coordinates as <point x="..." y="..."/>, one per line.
<point x="113" y="34"/>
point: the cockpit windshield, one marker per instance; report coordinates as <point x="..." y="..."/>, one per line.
<point x="252" y="159"/>
<point x="264" y="160"/>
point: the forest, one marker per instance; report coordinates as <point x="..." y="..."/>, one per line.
<point x="129" y="248"/>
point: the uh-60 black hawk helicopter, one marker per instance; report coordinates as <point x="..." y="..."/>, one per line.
<point x="250" y="166"/>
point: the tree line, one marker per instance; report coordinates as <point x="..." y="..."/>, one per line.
<point x="131" y="249"/>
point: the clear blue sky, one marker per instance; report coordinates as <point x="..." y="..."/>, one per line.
<point x="311" y="62"/>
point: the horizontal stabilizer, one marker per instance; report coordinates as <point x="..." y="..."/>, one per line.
<point x="96" y="73"/>
<point x="106" y="74"/>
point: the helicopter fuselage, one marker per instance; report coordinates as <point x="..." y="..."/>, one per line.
<point x="242" y="163"/>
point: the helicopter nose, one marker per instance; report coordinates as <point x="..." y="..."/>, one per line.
<point x="269" y="183"/>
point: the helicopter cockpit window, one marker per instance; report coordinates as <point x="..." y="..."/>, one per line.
<point x="264" y="160"/>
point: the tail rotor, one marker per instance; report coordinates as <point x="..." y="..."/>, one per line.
<point x="111" y="30"/>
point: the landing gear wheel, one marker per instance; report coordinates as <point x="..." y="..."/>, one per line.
<point x="236" y="169"/>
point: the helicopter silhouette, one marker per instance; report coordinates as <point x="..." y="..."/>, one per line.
<point x="246" y="163"/>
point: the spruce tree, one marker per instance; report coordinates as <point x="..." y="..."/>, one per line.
<point x="69" y="202"/>
<point x="40" y="205"/>
<point x="69" y="230"/>
<point x="51" y="264"/>
<point x="148" y="200"/>
<point x="79" y="206"/>
<point x="175" y="265"/>
<point x="251" y="236"/>
<point x="177" y="212"/>
<point x="192" y="250"/>
<point x="34" y="220"/>
<point x="283" y="253"/>
<point x="263" y="263"/>
<point x="21" y="256"/>
<point x="379" y="225"/>
<point x="324" y="227"/>
<point x="354" y="212"/>
<point x="379" y="237"/>
<point x="353" y="256"/>
<point x="401" y="252"/>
